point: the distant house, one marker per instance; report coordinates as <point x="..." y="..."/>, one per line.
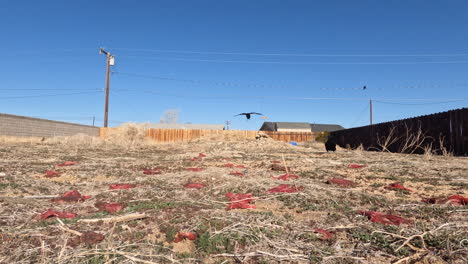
<point x="186" y="126"/>
<point x="298" y="127"/>
<point x="325" y="127"/>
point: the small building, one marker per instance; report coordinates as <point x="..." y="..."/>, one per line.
<point x="325" y="127"/>
<point x="186" y="126"/>
<point x="298" y="127"/>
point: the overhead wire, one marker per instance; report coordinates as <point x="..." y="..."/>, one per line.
<point x="298" y="62"/>
<point x="294" y="54"/>
<point x="44" y="95"/>
<point x="228" y="84"/>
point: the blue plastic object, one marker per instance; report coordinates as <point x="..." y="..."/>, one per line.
<point x="293" y="143"/>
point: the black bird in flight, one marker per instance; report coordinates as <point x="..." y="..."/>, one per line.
<point x="248" y="114"/>
<point x="364" y="88"/>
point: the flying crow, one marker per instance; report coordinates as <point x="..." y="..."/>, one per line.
<point x="248" y="114"/>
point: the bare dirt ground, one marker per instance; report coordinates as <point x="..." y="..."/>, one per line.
<point x="175" y="224"/>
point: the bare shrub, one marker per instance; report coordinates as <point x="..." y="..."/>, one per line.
<point x="386" y="141"/>
<point x="409" y="142"/>
<point x="170" y="116"/>
<point x="128" y="135"/>
<point x="443" y="150"/>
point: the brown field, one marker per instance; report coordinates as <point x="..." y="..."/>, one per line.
<point x="282" y="227"/>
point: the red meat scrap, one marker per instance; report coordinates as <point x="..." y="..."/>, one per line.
<point x="188" y="235"/>
<point x="458" y="199"/>
<point x="109" y="207"/>
<point x="237" y="173"/>
<point x="71" y="196"/>
<point x="286" y="177"/>
<point x="201" y="155"/>
<point x="239" y="166"/>
<point x="454" y="199"/>
<point x="285" y="188"/>
<point x="67" y="163"/>
<point x="54" y="213"/>
<point x="229" y="165"/>
<point x="275" y="161"/>
<point x="240" y="201"/>
<point x="195" y="169"/>
<point x="194" y="185"/>
<point x="385" y="219"/>
<point x="52" y="174"/>
<point x="356" y="166"/>
<point x="398" y="186"/>
<point x="325" y="235"/>
<point x="152" y="171"/>
<point x="341" y="182"/>
<point x="120" y="186"/>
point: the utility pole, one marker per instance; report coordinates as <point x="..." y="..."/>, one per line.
<point x="110" y="62"/>
<point x="228" y="124"/>
<point x="370" y="108"/>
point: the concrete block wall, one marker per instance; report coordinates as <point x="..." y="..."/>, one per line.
<point x="13" y="125"/>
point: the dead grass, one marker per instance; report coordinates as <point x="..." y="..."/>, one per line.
<point x="280" y="229"/>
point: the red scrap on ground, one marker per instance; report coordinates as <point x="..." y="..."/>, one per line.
<point x="109" y="207"/>
<point x="240" y="166"/>
<point x="454" y="199"/>
<point x="240" y="201"/>
<point x="325" y="235"/>
<point x="71" y="196"/>
<point x="341" y="182"/>
<point x="195" y="159"/>
<point x="188" y="235"/>
<point x="275" y="161"/>
<point x="195" y="169"/>
<point x="356" y="166"/>
<point x="229" y="165"/>
<point x="120" y="186"/>
<point x="53" y="213"/>
<point x="396" y="185"/>
<point x="385" y="219"/>
<point x="201" y="155"/>
<point x="152" y="171"/>
<point x="194" y="185"/>
<point x="237" y="173"/>
<point x="285" y="188"/>
<point x="52" y="174"/>
<point x="67" y="163"/>
<point x="458" y="199"/>
<point x="286" y="177"/>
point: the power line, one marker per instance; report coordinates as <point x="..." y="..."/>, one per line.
<point x="44" y="95"/>
<point x="229" y="84"/>
<point x="302" y="63"/>
<point x="432" y="103"/>
<point x="295" y="54"/>
<point x="236" y="96"/>
<point x="48" y="89"/>
<point x="360" y="116"/>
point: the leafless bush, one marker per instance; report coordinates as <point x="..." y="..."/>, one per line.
<point x="170" y="116"/>
<point x="410" y="142"/>
<point x="443" y="150"/>
<point x="128" y="135"/>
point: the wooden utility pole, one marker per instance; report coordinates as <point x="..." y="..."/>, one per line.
<point x="370" y="108"/>
<point x="110" y="62"/>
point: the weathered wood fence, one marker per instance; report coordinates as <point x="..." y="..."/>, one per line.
<point x="174" y="135"/>
<point x="446" y="131"/>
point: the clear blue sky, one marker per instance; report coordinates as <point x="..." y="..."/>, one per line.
<point x="54" y="45"/>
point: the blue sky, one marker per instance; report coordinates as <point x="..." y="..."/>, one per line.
<point x="214" y="59"/>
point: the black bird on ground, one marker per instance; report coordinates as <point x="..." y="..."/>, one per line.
<point x="330" y="145"/>
<point x="248" y="114"/>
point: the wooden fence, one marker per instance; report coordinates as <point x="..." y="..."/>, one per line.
<point x="173" y="135"/>
<point x="441" y="131"/>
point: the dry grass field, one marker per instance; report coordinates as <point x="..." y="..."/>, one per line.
<point x="161" y="220"/>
